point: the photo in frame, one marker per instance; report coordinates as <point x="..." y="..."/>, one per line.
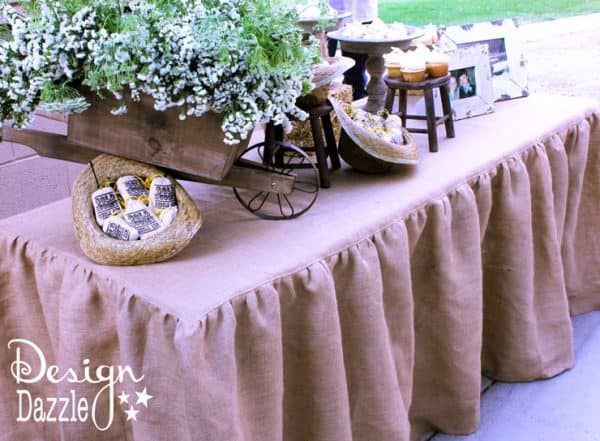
<point x="507" y="63"/>
<point x="471" y="89"/>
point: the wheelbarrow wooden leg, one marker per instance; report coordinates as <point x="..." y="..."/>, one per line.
<point x="273" y="134"/>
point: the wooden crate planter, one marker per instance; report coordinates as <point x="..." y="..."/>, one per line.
<point x="194" y="145"/>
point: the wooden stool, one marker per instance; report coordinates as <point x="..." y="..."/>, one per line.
<point x="427" y="87"/>
<point x="324" y="139"/>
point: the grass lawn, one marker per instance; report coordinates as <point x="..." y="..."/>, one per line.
<point x="453" y="12"/>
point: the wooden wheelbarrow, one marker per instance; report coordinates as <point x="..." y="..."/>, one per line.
<point x="192" y="149"/>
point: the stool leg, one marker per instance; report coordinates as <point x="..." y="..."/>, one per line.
<point x="317" y="133"/>
<point x="449" y="123"/>
<point x="431" y="125"/>
<point x="402" y="106"/>
<point x="389" y="100"/>
<point x="332" y="150"/>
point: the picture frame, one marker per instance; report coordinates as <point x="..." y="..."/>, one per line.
<point x="473" y="63"/>
<point x="507" y="62"/>
<point x="471" y="88"/>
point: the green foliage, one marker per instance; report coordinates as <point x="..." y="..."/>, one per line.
<point x="58" y="92"/>
<point x="455" y="12"/>
<point x="62" y="98"/>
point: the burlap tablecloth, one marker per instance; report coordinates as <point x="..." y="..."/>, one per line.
<point x="372" y="316"/>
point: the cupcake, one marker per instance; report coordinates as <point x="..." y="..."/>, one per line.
<point x="394" y="69"/>
<point x="393" y="62"/>
<point x="437" y="64"/>
<point x="414" y="70"/>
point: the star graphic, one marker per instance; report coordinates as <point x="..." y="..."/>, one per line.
<point x="123" y="398"/>
<point x="132" y="414"/>
<point x="143" y="397"/>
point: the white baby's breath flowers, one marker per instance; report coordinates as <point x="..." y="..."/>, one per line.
<point x="195" y="56"/>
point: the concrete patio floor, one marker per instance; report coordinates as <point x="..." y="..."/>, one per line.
<point x="564" y="408"/>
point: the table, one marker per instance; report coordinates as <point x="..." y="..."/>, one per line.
<point x="371" y="317"/>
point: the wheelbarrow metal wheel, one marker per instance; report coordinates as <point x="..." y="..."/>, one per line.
<point x="285" y="159"/>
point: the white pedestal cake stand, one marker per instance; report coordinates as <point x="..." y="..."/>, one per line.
<point x="375" y="65"/>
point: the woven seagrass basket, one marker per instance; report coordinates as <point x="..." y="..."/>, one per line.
<point x="105" y="250"/>
<point x="366" y="152"/>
